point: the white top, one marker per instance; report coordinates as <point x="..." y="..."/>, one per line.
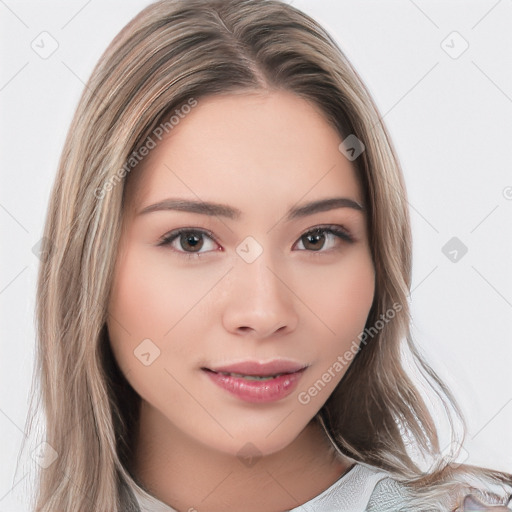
<point x="350" y="493"/>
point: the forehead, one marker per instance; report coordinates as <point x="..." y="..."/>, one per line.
<point x="242" y="148"/>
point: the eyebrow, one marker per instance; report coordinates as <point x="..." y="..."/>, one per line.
<point x="223" y="210"/>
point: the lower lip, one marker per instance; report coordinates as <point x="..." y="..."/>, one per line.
<point x="257" y="391"/>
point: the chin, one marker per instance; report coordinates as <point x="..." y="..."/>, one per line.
<point x="259" y="443"/>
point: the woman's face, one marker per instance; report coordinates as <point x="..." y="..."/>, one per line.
<point x="258" y="288"/>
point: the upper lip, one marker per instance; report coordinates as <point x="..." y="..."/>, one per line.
<point x="255" y="368"/>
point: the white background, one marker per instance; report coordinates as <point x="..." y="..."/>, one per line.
<point x="450" y="120"/>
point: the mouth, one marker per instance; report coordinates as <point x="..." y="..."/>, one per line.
<point x="257" y="370"/>
<point x="257" y="383"/>
<point x="253" y="377"/>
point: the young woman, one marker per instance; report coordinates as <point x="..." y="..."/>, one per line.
<point x="222" y="308"/>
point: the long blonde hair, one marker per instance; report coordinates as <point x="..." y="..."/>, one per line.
<point x="172" y="52"/>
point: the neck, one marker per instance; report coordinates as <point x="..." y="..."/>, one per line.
<point x="188" y="475"/>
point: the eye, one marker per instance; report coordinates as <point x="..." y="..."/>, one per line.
<point x="183" y="239"/>
<point x="189" y="242"/>
<point x="319" y="237"/>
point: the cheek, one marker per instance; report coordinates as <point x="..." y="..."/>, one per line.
<point x="139" y="308"/>
<point x="154" y="299"/>
<point x="143" y="308"/>
<point x="342" y="297"/>
<point x="136" y="298"/>
<point x="342" y="303"/>
<point x="148" y="296"/>
<point x="353" y="296"/>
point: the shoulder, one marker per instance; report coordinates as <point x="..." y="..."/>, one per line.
<point x="389" y="495"/>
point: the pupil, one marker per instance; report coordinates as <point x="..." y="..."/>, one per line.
<point x="316" y="237"/>
<point x="191" y="239"/>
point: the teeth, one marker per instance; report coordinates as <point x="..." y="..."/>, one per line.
<point x="251" y="377"/>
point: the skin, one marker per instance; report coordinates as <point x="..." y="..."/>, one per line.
<point x="262" y="153"/>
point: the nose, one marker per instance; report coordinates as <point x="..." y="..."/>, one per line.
<point x="260" y="302"/>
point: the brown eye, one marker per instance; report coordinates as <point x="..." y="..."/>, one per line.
<point x="316" y="239"/>
<point x="189" y="241"/>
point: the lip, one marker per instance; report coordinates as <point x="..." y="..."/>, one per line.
<point x="257" y="391"/>
<point x="286" y="378"/>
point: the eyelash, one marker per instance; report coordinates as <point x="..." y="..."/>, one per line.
<point x="333" y="229"/>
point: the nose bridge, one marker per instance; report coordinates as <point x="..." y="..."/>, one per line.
<point x="260" y="276"/>
<point x="260" y="300"/>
